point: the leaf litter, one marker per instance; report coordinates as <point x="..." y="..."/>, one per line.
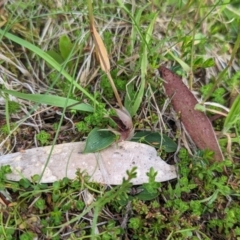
<point x="196" y="123"/>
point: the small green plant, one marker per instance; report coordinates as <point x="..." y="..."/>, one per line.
<point x="13" y="107"/>
<point x="135" y="223"/>
<point x="106" y="86"/>
<point x="66" y="50"/>
<point x="27" y="236"/>
<point x="43" y="137"/>
<point x="98" y="119"/>
<point x="56" y="216"/>
<point x="82" y="127"/>
<point x="150" y="190"/>
<point x="217" y="95"/>
<point x="111" y="231"/>
<point x="3" y="171"/>
<point x="40" y="204"/>
<point x="4" y="129"/>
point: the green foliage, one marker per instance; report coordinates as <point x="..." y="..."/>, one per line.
<point x="233" y="82"/>
<point x="43" y="137"/>
<point x="147" y="222"/>
<point x="156" y="140"/>
<point x="27" y="236"/>
<point x="53" y="63"/>
<point x="227" y="225"/>
<point x="66" y="48"/>
<point x="25" y="183"/>
<point x="135" y="223"/>
<point x="197" y="179"/>
<point x="150" y="219"/>
<point x="13" y="107"/>
<point x="7" y="233"/>
<point x="4" y="129"/>
<point x="201" y="63"/>
<point x="233" y="117"/>
<point x="52" y="100"/>
<point x="99" y="139"/>
<point x="217" y="96"/>
<point x="205" y="89"/>
<point x="97" y="119"/>
<point x="40" y="204"/>
<point x="82" y="127"/>
<point x="56" y="216"/>
<point x="3" y="171"/>
<point x="150" y="190"/>
<point x="106" y="86"/>
<point x="107" y="39"/>
<point x="111" y="231"/>
<point x="133" y="100"/>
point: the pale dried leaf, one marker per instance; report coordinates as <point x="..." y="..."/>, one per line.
<point x="108" y="166"/>
<point x="101" y="50"/>
<point x="88" y="197"/>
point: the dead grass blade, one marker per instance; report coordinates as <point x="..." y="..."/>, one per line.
<point x="101" y="50"/>
<point x="195" y="122"/>
<point x="102" y="55"/>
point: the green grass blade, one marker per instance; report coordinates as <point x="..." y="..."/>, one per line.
<point x="48" y="59"/>
<point x="233" y="116"/>
<point x="51" y="100"/>
<point x="136" y="25"/>
<point x="135" y="29"/>
<point x="185" y="66"/>
<point x="7" y="115"/>
<point x="132" y="108"/>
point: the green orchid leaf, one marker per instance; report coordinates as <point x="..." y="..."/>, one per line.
<point x="56" y="56"/>
<point x="99" y="139"/>
<point x="156" y="140"/>
<point x="65" y="46"/>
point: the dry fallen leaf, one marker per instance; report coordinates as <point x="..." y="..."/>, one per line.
<point x="196" y="123"/>
<point x="108" y="166"/>
<point x="101" y="50"/>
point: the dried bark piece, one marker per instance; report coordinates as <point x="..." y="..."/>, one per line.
<point x="195" y="122"/>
